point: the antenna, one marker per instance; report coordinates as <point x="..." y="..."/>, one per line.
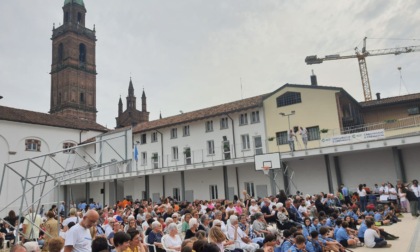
<point x="402" y="83"/>
<point x="242" y="94"/>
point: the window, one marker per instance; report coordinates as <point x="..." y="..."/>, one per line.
<point x="224" y="124"/>
<point x="143" y="138"/>
<point x="174" y="133"/>
<point x="175" y="153"/>
<point x="288" y="98"/>
<point x="79" y="17"/>
<point x="210" y="147"/>
<point x="255" y="117"/>
<point x="154" y="137"/>
<point x="82" y="98"/>
<point x="186" y="130"/>
<point x="60" y="53"/>
<point x="144" y="158"/>
<point x="281" y="137"/>
<point x="245" y="142"/>
<point x="175" y="194"/>
<point x="413" y="111"/>
<point x="243" y="119"/>
<point x="313" y="133"/>
<point x="68" y="146"/>
<point x="32" y="145"/>
<point x="209" y="126"/>
<point x="213" y="192"/>
<point x="82" y="53"/>
<point x="249" y="187"/>
<point x="155" y="160"/>
<point x="187" y="154"/>
<point x="258" y="145"/>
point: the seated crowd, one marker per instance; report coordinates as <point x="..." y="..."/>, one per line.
<point x="323" y="222"/>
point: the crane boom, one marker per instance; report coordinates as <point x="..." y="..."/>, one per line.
<point x="361" y="57"/>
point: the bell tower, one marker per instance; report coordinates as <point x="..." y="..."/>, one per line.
<point x="73" y="67"/>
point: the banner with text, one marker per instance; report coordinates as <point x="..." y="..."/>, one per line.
<point x="353" y="138"/>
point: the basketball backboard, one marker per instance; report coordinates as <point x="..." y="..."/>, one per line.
<point x="271" y="160"/>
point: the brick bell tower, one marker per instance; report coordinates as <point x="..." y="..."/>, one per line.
<point x="73" y="68"/>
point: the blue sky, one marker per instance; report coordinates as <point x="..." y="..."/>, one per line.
<point x="192" y="54"/>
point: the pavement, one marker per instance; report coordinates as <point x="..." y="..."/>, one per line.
<point x="409" y="232"/>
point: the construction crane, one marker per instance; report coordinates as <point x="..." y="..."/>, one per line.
<point x="361" y="57"/>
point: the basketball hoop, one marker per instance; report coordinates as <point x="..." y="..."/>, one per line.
<point x="266" y="169"/>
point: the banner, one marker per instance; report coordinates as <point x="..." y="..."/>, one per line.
<point x="353" y="138"/>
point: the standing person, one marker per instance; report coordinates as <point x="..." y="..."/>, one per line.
<point x="372" y="238"/>
<point x="78" y="238"/>
<point x="416" y="189"/>
<point x="31" y="226"/>
<point x="51" y="228"/>
<point x="414" y="203"/>
<point x="346" y="194"/>
<point x="304" y="135"/>
<point x="362" y="197"/>
<point x="291" y="140"/>
<point x="405" y="207"/>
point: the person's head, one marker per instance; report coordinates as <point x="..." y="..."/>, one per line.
<point x="307" y="221"/>
<point x="287" y="233"/>
<point x="12" y="215"/>
<point x="233" y="219"/>
<point x="323" y="231"/>
<point x="156" y="226"/>
<point x="50" y="214"/>
<point x="415" y="182"/>
<point x="134" y="237"/>
<point x="90" y="219"/>
<point x="210" y="247"/>
<point x="345" y="224"/>
<point x="172" y="229"/>
<point x="198" y="245"/>
<point x="187" y="243"/>
<point x="116" y="227"/>
<point x="18" y="248"/>
<point x="200" y="234"/>
<point x="55" y="244"/>
<point x="216" y="235"/>
<point x="369" y="223"/>
<point x="270" y="240"/>
<point x="187" y="217"/>
<point x="121" y="240"/>
<point x="259" y="216"/>
<point x="32" y="246"/>
<point x="339" y="222"/>
<point x="360" y="187"/>
<point x="300" y="241"/>
<point x="314" y="235"/>
<point x="204" y="219"/>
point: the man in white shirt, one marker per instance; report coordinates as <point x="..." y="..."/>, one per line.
<point x="78" y="238"/>
<point x="372" y="238"/>
<point x="235" y="233"/>
<point x="383" y="192"/>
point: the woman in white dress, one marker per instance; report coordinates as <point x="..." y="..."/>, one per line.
<point x="172" y="240"/>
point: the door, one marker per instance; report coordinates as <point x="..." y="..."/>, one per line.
<point x="156" y="197"/>
<point x="262" y="191"/>
<point x="231" y="192"/>
<point x="189" y="195"/>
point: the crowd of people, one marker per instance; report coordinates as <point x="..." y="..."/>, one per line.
<point x="321" y="222"/>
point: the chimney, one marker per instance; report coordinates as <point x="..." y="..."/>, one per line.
<point x="314" y="81"/>
<point x="378" y="96"/>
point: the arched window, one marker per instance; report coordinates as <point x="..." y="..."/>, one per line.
<point x="82" y="55"/>
<point x="82" y="98"/>
<point x="66" y="17"/>
<point x="60" y="53"/>
<point x="32" y="145"/>
<point x="79" y="17"/>
<point x="288" y="98"/>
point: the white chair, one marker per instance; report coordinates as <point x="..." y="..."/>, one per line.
<point x="153" y="246"/>
<point x="164" y="244"/>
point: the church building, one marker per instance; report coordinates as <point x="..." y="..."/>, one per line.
<point x="131" y="116"/>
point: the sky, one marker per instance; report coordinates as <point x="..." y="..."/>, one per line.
<point x="193" y="54"/>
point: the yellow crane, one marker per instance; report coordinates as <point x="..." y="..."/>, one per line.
<point x="361" y="57"/>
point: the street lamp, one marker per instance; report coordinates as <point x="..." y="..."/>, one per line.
<point x="288" y="116"/>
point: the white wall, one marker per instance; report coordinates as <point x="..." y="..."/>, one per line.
<point x="200" y="180"/>
<point x="411" y="159"/>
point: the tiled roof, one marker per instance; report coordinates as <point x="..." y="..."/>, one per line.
<point x="32" y="117"/>
<point x="222" y="109"/>
<point x="391" y="100"/>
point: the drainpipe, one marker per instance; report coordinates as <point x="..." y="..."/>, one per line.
<point x="161" y="146"/>
<point x="233" y="133"/>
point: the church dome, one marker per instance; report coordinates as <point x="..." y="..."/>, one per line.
<point x="79" y="2"/>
